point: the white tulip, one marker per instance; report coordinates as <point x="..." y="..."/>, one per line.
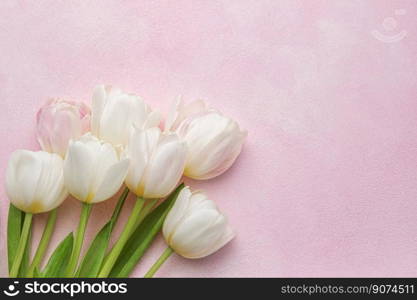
<point x="156" y="162"/>
<point x="194" y="227"/>
<point x="214" y="140"/>
<point x="114" y="113"/>
<point x="93" y="170"/>
<point x="35" y="181"/>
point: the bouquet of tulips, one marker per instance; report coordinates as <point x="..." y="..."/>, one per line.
<point x="90" y="154"/>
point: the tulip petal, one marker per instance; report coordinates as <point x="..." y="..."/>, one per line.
<point x="78" y="170"/>
<point x="112" y="181"/>
<point x="165" y="168"/>
<point x="153" y="120"/>
<point x="105" y="156"/>
<point x="115" y="113"/>
<point x="51" y="191"/>
<point x="226" y="237"/>
<point x="179" y="112"/>
<point x="21" y="178"/>
<point x="139" y="150"/>
<point x="66" y="127"/>
<point x="218" y="155"/>
<point x="117" y="118"/>
<point x="199" y="200"/>
<point x="173" y="113"/>
<point x="175" y="215"/>
<point x="59" y="121"/>
<point x="199" y="134"/>
<point x="193" y="108"/>
<point x="215" y="142"/>
<point x="198" y="235"/>
<point x="93" y="171"/>
<point x="98" y="103"/>
<point x="34" y="181"/>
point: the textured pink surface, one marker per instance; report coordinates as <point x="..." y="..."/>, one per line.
<point x="327" y="182"/>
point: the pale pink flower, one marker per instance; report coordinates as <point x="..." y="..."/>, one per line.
<point x="58" y="122"/>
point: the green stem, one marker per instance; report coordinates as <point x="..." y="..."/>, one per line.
<point x="79" y="238"/>
<point x="113" y="220"/>
<point x="155" y="267"/>
<point x="150" y="204"/>
<point x="117" y="248"/>
<point x="22" y="245"/>
<point x="43" y="244"/>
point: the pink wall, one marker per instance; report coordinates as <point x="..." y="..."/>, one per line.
<point x="327" y="182"/>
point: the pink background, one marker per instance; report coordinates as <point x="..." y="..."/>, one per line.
<point x="327" y="182"/>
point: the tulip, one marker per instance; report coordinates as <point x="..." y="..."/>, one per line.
<point x="156" y="165"/>
<point x="34" y="184"/>
<point x="214" y="140"/>
<point x="93" y="169"/>
<point x="194" y="228"/>
<point x="156" y="162"/>
<point x="35" y="181"/>
<point x="60" y="121"/>
<point x="93" y="172"/>
<point x="114" y="114"/>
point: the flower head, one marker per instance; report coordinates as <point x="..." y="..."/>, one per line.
<point x="115" y="113"/>
<point x="156" y="162"/>
<point x="35" y="181"/>
<point x="194" y="227"/>
<point x="93" y="169"/>
<point x="214" y="141"/>
<point x="59" y="121"/>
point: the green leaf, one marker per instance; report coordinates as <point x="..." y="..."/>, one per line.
<point x="118" y="208"/>
<point x="93" y="259"/>
<point x="59" y="259"/>
<point x="14" y="227"/>
<point x="142" y="237"/>
<point x="25" y="260"/>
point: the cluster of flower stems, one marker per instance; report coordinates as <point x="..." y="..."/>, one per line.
<point x="140" y="210"/>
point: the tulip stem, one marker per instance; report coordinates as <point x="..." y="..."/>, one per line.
<point x="155" y="267"/>
<point x="118" y="247"/>
<point x="149" y="205"/>
<point x="79" y="238"/>
<point x="43" y="244"/>
<point x="22" y="245"/>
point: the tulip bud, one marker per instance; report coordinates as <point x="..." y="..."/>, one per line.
<point x="114" y="114"/>
<point x="93" y="170"/>
<point x="35" y="181"/>
<point x="194" y="228"/>
<point x="156" y="162"/>
<point x="214" y="141"/>
<point x="58" y="122"/>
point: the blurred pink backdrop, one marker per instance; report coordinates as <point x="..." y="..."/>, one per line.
<point x="327" y="182"/>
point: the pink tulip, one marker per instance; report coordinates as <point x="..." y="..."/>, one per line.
<point x="58" y="122"/>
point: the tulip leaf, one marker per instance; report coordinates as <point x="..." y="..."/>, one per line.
<point x="14" y="227"/>
<point x="142" y="237"/>
<point x="118" y="208"/>
<point x="24" y="265"/>
<point x="59" y="259"/>
<point x="93" y="259"/>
